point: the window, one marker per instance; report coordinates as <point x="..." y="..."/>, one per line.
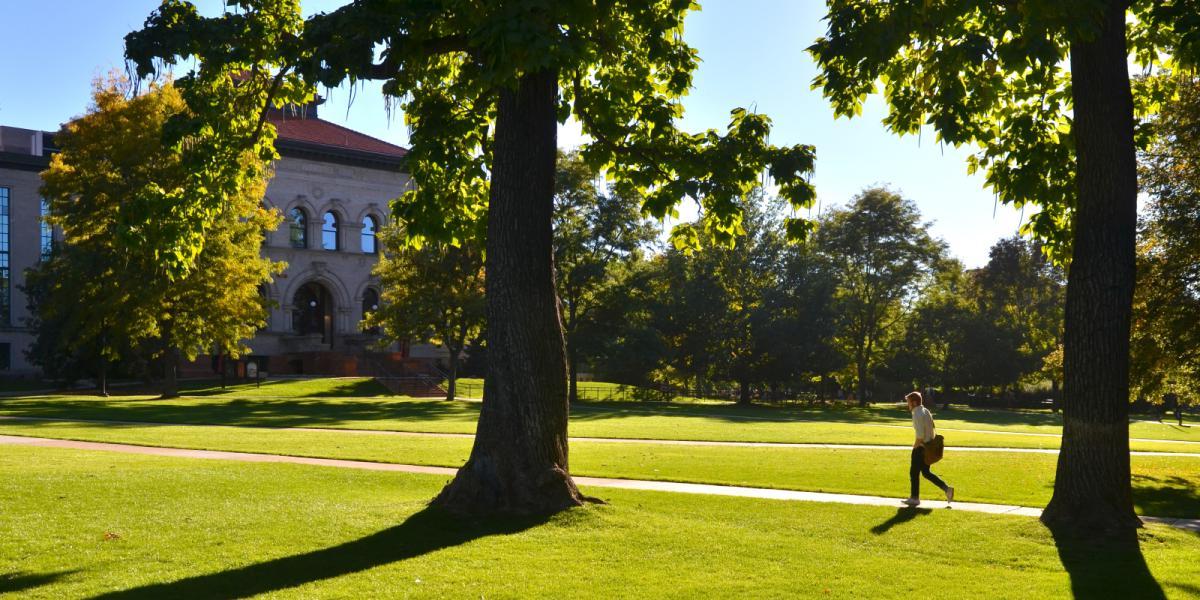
<point x="370" y="304"/>
<point x="298" y="224"/>
<point x="329" y="228"/>
<point x="368" y="235"/>
<point x="5" y="280"/>
<point x="5" y="356"/>
<point x="47" y="231"/>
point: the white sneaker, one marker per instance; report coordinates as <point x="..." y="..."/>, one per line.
<point x="912" y="502"/>
<point x="949" y="494"/>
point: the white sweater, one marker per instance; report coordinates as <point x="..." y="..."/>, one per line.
<point x="923" y="423"/>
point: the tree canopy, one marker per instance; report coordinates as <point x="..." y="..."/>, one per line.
<point x="129" y="213"/>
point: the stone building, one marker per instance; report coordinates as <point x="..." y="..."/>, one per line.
<point x="333" y="187"/>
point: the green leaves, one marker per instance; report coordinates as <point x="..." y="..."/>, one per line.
<point x="624" y="69"/>
<point x="992" y="75"/>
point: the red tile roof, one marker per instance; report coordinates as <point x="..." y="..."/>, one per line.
<point x="318" y="131"/>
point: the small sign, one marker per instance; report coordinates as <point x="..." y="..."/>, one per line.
<point x="251" y="370"/>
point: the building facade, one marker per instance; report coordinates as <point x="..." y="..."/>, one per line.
<point x="332" y="185"/>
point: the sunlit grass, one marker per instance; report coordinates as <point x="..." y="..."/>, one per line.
<point x="81" y="524"/>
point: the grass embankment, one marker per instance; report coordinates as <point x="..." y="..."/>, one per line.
<point x="1163" y="486"/>
<point x="84" y="524"/>
<point x="335" y="403"/>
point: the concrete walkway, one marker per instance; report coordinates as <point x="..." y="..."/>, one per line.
<point x="591" y="439"/>
<point x="604" y="482"/>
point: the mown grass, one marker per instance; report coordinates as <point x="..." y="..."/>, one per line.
<point x="93" y="524"/>
<point x="1163" y="485"/>
<point x="320" y="403"/>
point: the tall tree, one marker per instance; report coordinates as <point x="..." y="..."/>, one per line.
<point x="149" y="261"/>
<point x="1166" y="316"/>
<point x="1043" y="88"/>
<point x="881" y="251"/>
<point x="431" y="294"/>
<point x="484" y="87"/>
<point x="596" y="232"/>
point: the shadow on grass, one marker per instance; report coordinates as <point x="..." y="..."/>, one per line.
<point x="422" y="533"/>
<point x="1166" y="496"/>
<point x="1106" y="569"/>
<point x="903" y="515"/>
<point x="13" y="583"/>
<point x="299" y="412"/>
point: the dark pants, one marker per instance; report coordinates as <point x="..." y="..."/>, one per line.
<point x="918" y="467"/>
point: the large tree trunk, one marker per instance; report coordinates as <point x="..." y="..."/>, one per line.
<point x="452" y="376"/>
<point x="518" y="464"/>
<point x="1092" y="494"/>
<point x="573" y="374"/>
<point x="861" y="369"/>
<point x="170" y="386"/>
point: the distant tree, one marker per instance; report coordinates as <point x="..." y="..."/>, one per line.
<point x="794" y="330"/>
<point x="484" y="87"/>
<point x="596" y="233"/>
<point x="1023" y="293"/>
<point x="1166" y="314"/>
<point x="148" y="261"/>
<point x="882" y="253"/>
<point x="1043" y="89"/>
<point x="432" y="294"/>
<point x="933" y="350"/>
<point x="632" y="345"/>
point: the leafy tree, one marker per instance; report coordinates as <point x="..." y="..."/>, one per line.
<point x="483" y="88"/>
<point x="881" y="252"/>
<point x="934" y="350"/>
<point x="631" y="346"/>
<point x="794" y="330"/>
<point x="433" y="294"/>
<point x="145" y="265"/>
<point x="595" y="235"/>
<point x="1021" y="290"/>
<point x="1043" y="89"/>
<point x="1166" y="314"/>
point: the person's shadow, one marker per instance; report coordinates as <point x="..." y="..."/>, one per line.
<point x="903" y="515"/>
<point x="422" y="533"/>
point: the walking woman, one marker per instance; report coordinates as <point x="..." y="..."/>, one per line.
<point x="923" y="425"/>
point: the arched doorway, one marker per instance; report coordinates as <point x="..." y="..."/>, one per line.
<point x="313" y="311"/>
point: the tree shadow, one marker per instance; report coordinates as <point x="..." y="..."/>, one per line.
<point x="1166" y="496"/>
<point x="12" y="583"/>
<point x="422" y="533"/>
<point x="903" y="515"/>
<point x="1111" y="568"/>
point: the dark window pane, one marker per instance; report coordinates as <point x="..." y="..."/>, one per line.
<point x="298" y="223"/>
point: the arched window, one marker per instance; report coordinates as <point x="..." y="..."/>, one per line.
<point x="370" y="304"/>
<point x="368" y="235"/>
<point x="329" y="228"/>
<point x="298" y="228"/>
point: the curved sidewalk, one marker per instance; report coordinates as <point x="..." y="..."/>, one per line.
<point x="629" y="484"/>
<point x="822" y="446"/>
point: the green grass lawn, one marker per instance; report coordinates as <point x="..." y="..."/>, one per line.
<point x="86" y="524"/>
<point x="1163" y="486"/>
<point x="341" y="403"/>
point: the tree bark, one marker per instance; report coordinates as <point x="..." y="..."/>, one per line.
<point x="743" y="393"/>
<point x="170" y="387"/>
<point x="452" y="376"/>
<point x="1092" y="493"/>
<point x="518" y="464"/>
<point x="573" y="373"/>
<point x="861" y="369"/>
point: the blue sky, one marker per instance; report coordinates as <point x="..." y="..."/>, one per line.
<point x="753" y="56"/>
